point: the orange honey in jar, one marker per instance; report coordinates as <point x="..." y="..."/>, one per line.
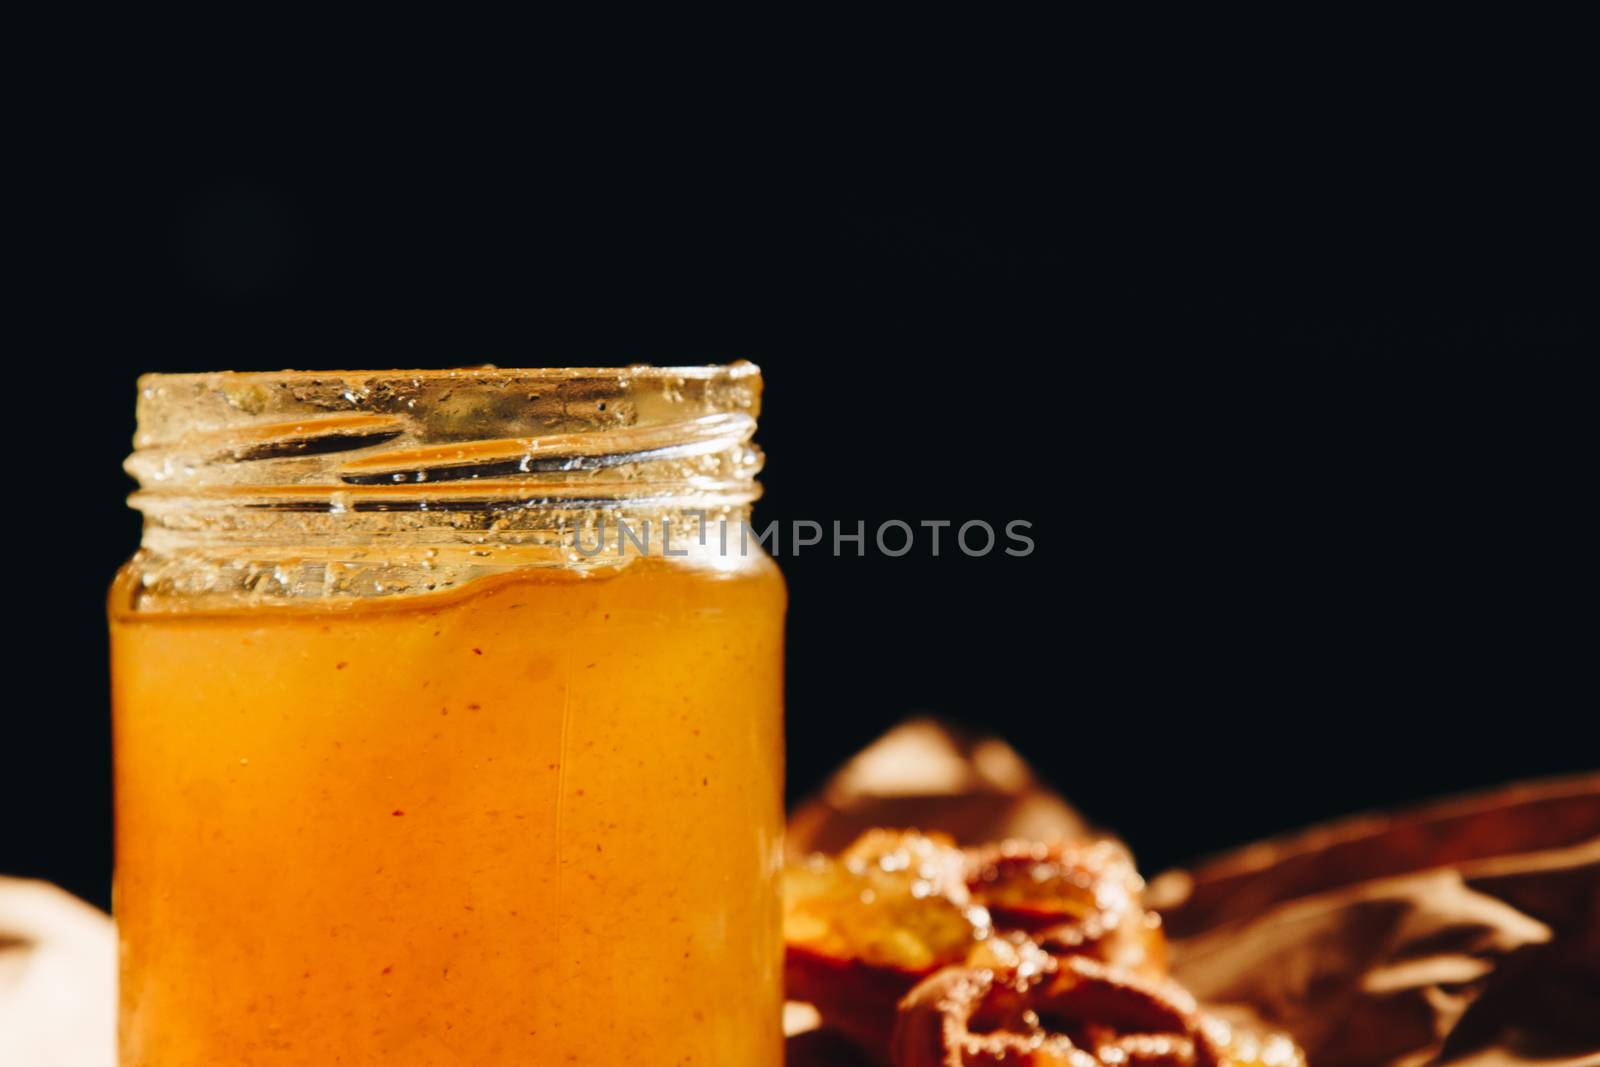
<point x="448" y="729"/>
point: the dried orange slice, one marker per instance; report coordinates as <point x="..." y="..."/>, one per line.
<point x="1073" y="898"/>
<point x="1072" y="1012"/>
<point x="1077" y="1013"/>
<point x="862" y="929"/>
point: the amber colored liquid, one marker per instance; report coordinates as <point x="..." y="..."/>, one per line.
<point x="533" y="822"/>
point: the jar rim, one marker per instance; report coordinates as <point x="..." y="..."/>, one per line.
<point x="486" y="371"/>
<point x="423" y="479"/>
<point x="458" y="439"/>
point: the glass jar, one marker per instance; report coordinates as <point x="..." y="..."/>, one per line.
<point x="448" y="722"/>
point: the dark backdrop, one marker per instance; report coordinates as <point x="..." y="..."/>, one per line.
<point x="1294" y="411"/>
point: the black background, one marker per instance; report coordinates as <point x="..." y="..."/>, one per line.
<point x="1291" y="397"/>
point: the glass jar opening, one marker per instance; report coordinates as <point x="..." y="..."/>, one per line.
<point x="446" y="471"/>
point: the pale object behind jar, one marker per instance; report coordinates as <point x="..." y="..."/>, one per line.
<point x="57" y="979"/>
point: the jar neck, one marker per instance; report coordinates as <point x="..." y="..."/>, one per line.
<point x="431" y="459"/>
<point x="243" y="566"/>
<point x="294" y="486"/>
